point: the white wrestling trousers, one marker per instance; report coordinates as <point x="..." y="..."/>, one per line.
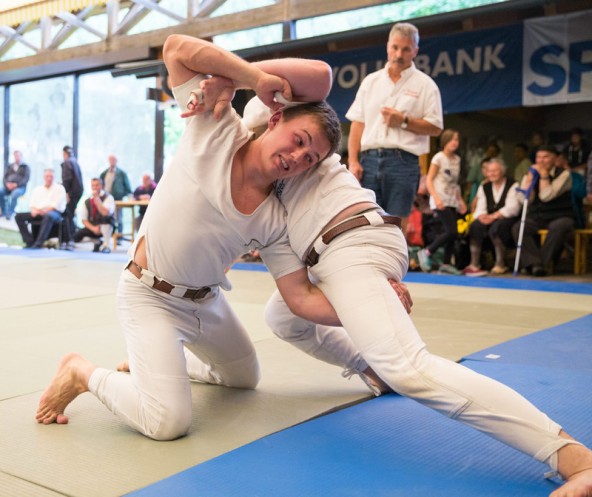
<point x="170" y="340"/>
<point x="353" y="273"/>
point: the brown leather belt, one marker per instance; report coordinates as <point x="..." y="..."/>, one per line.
<point x="166" y="287"/>
<point x="355" y="222"/>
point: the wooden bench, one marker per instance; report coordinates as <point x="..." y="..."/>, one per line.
<point x="581" y="241"/>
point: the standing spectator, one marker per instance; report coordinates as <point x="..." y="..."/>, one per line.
<point x="395" y="112"/>
<point x="445" y="200"/>
<point x="47" y="203"/>
<point x="589" y="179"/>
<point x="550" y="208"/>
<point x="537" y="140"/>
<point x="578" y="188"/>
<point x="476" y="173"/>
<point x="72" y="181"/>
<point x="97" y="217"/>
<point x="522" y="162"/>
<point x="16" y="177"/>
<point x="498" y="206"/>
<point x="577" y="151"/>
<point x="144" y="192"/>
<point x="117" y="184"/>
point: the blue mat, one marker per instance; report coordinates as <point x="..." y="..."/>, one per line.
<point x="392" y="446"/>
<point x="567" y="346"/>
<point x="506" y="283"/>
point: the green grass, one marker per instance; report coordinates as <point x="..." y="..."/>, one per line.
<point x="10" y="237"/>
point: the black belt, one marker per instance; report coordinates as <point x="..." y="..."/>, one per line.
<point x="383" y="152"/>
<point x="166" y="287"/>
<point x="355" y="222"/>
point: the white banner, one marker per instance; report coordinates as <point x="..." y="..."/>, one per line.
<point x="557" y="59"/>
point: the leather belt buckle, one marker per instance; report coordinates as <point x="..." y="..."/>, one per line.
<point x="197" y="293"/>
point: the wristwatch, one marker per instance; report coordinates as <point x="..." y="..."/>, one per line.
<point x="405" y="122"/>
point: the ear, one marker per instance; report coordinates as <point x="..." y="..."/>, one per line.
<point x="274" y="119"/>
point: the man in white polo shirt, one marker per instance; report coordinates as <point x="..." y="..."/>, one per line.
<point x="395" y="112"/>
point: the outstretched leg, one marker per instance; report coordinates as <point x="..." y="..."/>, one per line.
<point x="70" y="380"/>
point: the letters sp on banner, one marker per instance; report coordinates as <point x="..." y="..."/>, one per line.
<point x="558" y="59"/>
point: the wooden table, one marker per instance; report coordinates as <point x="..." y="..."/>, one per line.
<point x="129" y="204"/>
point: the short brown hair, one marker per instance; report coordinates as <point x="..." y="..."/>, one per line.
<point x="325" y="117"/>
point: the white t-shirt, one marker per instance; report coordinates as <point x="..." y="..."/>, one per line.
<point x="415" y="94"/>
<point x="54" y="196"/>
<point x="314" y="198"/>
<point x="446" y="180"/>
<point x="193" y="230"/>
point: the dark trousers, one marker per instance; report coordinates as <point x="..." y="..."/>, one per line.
<point x="501" y="228"/>
<point x="36" y="229"/>
<point x="70" y="214"/>
<point x="531" y="253"/>
<point x="447" y="237"/>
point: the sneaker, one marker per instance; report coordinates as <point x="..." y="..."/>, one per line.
<point x="539" y="271"/>
<point x="474" y="271"/>
<point x="97" y="247"/>
<point x="105" y="249"/>
<point x="425" y="261"/>
<point x="499" y="270"/>
<point x="448" y="269"/>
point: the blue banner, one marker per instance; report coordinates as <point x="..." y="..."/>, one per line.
<point x="478" y="70"/>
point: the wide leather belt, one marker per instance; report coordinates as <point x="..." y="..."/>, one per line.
<point x="371" y="218"/>
<point x="166" y="287"/>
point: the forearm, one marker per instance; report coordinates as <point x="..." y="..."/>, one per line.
<point x="305" y="300"/>
<point x="310" y="80"/>
<point x="422" y="127"/>
<point x="354" y="142"/>
<point x="186" y="56"/>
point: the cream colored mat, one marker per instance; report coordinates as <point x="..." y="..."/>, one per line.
<point x="49" y="306"/>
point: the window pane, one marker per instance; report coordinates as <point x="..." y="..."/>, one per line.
<point x="382" y="14"/>
<point x="115" y="118"/>
<point x="233" y="6"/>
<point x="174" y="125"/>
<point x="2" y="121"/>
<point x="265" y="35"/>
<point x="40" y="126"/>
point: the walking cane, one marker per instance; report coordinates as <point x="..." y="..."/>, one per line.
<point x="535" y="177"/>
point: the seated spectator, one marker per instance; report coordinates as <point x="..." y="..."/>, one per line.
<point x="522" y="162"/>
<point x="578" y="188"/>
<point x="589" y="179"/>
<point x="143" y="192"/>
<point x="16" y="177"/>
<point x="550" y="208"/>
<point x="97" y="217"/>
<point x="577" y="151"/>
<point x="47" y="204"/>
<point x="497" y="209"/>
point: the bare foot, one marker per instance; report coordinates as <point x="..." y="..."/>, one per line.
<point x="70" y="380"/>
<point x="123" y="366"/>
<point x="578" y="485"/>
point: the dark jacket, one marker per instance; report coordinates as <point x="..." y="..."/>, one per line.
<point x="72" y="177"/>
<point x="20" y="176"/>
<point x="121" y="185"/>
